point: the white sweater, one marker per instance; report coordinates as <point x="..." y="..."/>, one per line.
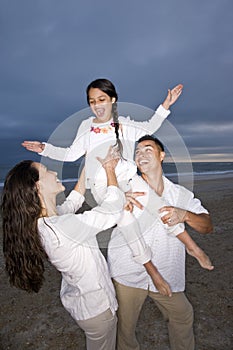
<point x="71" y="245"/>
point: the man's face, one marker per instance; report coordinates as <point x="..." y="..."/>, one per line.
<point x="148" y="156"/>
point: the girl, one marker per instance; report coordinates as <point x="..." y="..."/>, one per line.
<point x="103" y="129"/>
<point x="34" y="229"/>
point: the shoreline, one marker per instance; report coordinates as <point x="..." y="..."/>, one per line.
<point x="39" y="321"/>
<point x="183" y="176"/>
<point x="186" y="179"/>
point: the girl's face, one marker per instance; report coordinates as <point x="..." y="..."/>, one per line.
<point x="101" y="105"/>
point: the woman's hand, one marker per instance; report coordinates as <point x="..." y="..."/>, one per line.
<point x="172" y="96"/>
<point x="33" y="146"/>
<point x="111" y="159"/>
<point x="109" y="164"/>
<point x="131" y="200"/>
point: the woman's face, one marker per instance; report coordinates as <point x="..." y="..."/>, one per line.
<point x="48" y="181"/>
<point x="101" y="105"/>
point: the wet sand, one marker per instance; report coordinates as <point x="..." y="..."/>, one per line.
<point x="39" y="322"/>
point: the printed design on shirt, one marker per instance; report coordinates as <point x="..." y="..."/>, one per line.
<point x="104" y="129"/>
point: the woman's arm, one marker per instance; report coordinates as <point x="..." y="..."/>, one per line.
<point x="75" y="200"/>
<point x="80" y="184"/>
<point x="81" y="227"/>
<point x="76" y="197"/>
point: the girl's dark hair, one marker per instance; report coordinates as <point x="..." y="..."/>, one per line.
<point x="108" y="88"/>
<point x="21" y="208"/>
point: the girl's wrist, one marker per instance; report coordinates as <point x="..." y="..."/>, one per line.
<point x="166" y="104"/>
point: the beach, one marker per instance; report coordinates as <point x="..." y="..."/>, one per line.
<point x="39" y="321"/>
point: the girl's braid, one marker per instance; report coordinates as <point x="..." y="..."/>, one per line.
<point x="116" y="125"/>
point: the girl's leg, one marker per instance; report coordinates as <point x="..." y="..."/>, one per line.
<point x="100" y="331"/>
<point x="194" y="250"/>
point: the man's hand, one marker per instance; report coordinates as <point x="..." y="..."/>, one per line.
<point x="172" y="96"/>
<point x="172" y="216"/>
<point x="199" y="222"/>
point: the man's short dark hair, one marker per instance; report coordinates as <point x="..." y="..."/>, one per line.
<point x="154" y="139"/>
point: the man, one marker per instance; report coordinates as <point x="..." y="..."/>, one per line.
<point x="168" y="253"/>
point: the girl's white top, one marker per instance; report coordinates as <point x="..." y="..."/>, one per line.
<point x="94" y="140"/>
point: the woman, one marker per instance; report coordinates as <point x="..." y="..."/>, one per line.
<point x="34" y="229"/>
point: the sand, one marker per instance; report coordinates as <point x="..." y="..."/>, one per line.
<point x="39" y="322"/>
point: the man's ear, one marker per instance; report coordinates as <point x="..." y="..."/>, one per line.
<point x="113" y="99"/>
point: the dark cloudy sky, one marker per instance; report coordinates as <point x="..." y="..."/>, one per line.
<point x="52" y="49"/>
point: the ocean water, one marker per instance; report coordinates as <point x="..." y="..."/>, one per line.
<point x="69" y="172"/>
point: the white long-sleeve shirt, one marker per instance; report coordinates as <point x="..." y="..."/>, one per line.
<point x="70" y="243"/>
<point x="94" y="139"/>
<point x="168" y="252"/>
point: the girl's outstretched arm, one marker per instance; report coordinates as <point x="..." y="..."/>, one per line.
<point x="33" y="146"/>
<point x="172" y="96"/>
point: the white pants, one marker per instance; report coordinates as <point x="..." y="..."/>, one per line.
<point x="100" y="331"/>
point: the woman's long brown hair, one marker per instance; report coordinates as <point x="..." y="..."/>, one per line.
<point x="21" y="208"/>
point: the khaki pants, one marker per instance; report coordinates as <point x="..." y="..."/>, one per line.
<point x="176" y="310"/>
<point x="100" y="331"/>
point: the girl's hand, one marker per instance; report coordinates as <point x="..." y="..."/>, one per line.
<point x="172" y="96"/>
<point x="33" y="146"/>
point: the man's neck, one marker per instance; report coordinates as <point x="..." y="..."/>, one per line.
<point x="155" y="180"/>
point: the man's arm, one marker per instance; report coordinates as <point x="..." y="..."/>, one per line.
<point x="200" y="222"/>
